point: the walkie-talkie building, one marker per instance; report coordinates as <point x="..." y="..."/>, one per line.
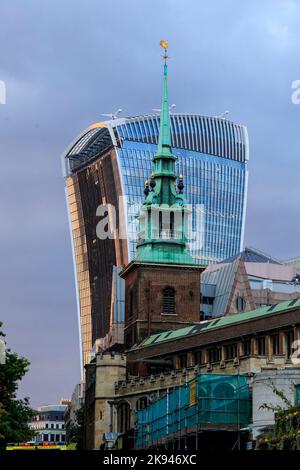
<point x="108" y="164"/>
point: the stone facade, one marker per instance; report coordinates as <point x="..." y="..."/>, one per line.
<point x="101" y="375"/>
<point x="240" y="289"/>
<point x="113" y="395"/>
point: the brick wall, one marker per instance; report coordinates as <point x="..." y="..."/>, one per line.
<point x="144" y="296"/>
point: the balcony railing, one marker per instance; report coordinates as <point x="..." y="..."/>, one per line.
<point x="167" y="234"/>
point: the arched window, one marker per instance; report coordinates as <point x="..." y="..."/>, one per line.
<point x="168" y="300"/>
<point x="123" y="417"/>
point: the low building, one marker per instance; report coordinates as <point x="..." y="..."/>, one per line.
<point x="49" y="424"/>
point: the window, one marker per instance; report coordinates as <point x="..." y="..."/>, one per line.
<point x="123" y="417"/>
<point x="168" y="306"/>
<point x="45" y="437"/>
<point x="275" y="345"/>
<point x="240" y="304"/>
<point x="261" y="346"/>
<point x="214" y="355"/>
<point x="247" y="347"/>
<point x="289" y="339"/>
<point x="197" y="357"/>
<point x="230" y="351"/>
<point x="207" y="300"/>
<point x="182" y="361"/>
<point x="172" y="224"/>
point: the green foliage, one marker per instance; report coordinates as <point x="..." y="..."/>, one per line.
<point x="14" y="413"/>
<point x="286" y="435"/>
<point x="279" y="393"/>
<point x="75" y="433"/>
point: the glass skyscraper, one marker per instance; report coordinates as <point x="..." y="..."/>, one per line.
<point x="108" y="164"/>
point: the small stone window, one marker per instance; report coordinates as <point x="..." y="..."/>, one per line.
<point x="168" y="306"/>
<point x="240" y="304"/>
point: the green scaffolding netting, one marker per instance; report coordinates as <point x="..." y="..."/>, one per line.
<point x="208" y="400"/>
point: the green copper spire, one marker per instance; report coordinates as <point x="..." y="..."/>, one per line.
<point x="163" y="216"/>
<point x="164" y="140"/>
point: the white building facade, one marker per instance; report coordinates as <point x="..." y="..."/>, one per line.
<point x="49" y="425"/>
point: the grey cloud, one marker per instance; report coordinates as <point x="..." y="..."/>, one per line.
<point x="65" y="63"/>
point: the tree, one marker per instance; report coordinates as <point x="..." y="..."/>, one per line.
<point x="14" y="413"/>
<point x="76" y="430"/>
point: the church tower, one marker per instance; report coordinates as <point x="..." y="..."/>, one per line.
<point x="162" y="283"/>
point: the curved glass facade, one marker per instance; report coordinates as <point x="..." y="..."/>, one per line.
<point x="113" y="159"/>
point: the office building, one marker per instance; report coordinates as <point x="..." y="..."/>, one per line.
<point x="49" y="424"/>
<point x="107" y="164"/>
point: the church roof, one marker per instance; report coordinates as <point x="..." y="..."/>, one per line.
<point x="221" y="322"/>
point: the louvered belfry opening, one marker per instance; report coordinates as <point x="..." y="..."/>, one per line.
<point x="169" y="300"/>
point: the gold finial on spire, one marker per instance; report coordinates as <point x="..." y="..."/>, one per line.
<point x="164" y="44"/>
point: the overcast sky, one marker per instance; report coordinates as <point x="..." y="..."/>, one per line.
<point x="64" y="63"/>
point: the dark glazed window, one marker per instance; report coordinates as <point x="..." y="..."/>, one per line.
<point x="247" y="347"/>
<point x="261" y="346"/>
<point x="123" y="417"/>
<point x="275" y="345"/>
<point x="168" y="300"/>
<point x="230" y="351"/>
<point x="214" y="355"/>
<point x="240" y="304"/>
